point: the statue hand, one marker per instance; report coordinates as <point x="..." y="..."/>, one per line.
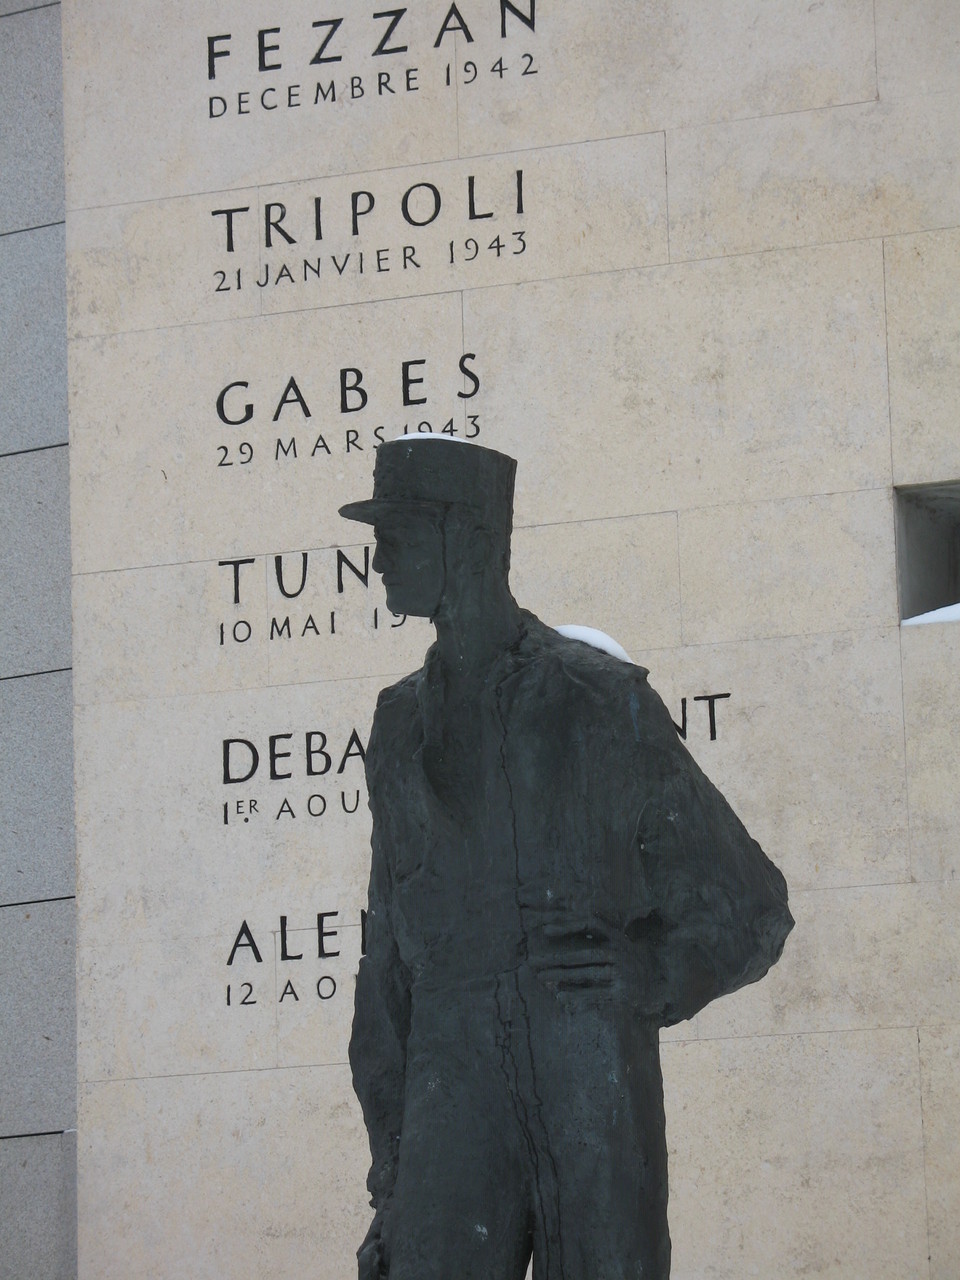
<point x="371" y="1264"/>
<point x="578" y="954"/>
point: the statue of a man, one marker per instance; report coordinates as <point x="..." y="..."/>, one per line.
<point x="553" y="880"/>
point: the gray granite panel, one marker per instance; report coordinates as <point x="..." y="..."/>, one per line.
<point x="31" y="108"/>
<point x="38" y="1091"/>
<point x="36" y="788"/>
<point x="33" y="340"/>
<point x="34" y="562"/>
<point x="38" y="1208"/>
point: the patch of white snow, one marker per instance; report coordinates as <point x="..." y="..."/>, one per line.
<point x="598" y="639"/>
<point x="433" y="435"/>
<point x="949" y="613"/>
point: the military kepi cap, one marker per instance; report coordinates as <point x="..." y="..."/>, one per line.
<point x="429" y="471"/>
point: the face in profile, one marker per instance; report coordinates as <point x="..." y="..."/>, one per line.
<point x="409" y="559"/>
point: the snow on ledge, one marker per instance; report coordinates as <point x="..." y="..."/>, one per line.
<point x="433" y="435"/>
<point x="949" y="613"/>
<point x="598" y="639"/>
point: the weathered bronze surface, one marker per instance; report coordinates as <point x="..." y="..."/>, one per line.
<point x="553" y="880"/>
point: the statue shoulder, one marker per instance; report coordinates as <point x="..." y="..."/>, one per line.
<point x="577" y="664"/>
<point x="585" y="684"/>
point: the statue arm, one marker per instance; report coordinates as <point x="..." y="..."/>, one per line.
<point x="715" y="915"/>
<point x="381" y="1021"/>
<point x="378" y="1044"/>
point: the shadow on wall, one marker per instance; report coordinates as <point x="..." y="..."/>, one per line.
<point x="928" y="552"/>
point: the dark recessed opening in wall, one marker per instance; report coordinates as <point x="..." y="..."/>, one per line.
<point x="928" y="547"/>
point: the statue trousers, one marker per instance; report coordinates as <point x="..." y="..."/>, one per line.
<point x="533" y="1123"/>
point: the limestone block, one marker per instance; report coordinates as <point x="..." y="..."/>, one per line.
<point x="151" y="632"/>
<point x="495" y="219"/>
<point x="174" y="1006"/>
<point x="151" y="1006"/>
<point x="267" y="125"/>
<point x="398" y="232"/>
<point x="37" y="1054"/>
<point x="190" y="455"/>
<point x="33" y="340"/>
<point x="879" y="956"/>
<point x="34" y="563"/>
<point x="530" y="79"/>
<point x="220" y="797"/>
<point x="763" y="1138"/>
<point x="592" y="70"/>
<point x="222" y="1174"/>
<point x="31" y="145"/>
<point x="842" y="173"/>
<point x="157" y="632"/>
<point x="930" y="690"/>
<point x="940" y="1076"/>
<point x="918" y="48"/>
<point x="38" y="1207"/>
<point x="221" y="841"/>
<point x="923" y="325"/>
<point x="806" y="743"/>
<point x="656" y="359"/>
<point x="688" y="385"/>
<point x="36" y="788"/>
<point x="782" y="568"/>
<point x="619" y="576"/>
<point x="171" y="249"/>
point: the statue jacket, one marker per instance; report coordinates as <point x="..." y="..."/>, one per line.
<point x="570" y="833"/>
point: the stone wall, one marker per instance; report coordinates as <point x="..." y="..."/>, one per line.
<point x="696" y="267"/>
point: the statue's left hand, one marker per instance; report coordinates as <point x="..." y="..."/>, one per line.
<point x="371" y="1261"/>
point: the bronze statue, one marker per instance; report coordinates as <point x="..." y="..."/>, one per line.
<point x="553" y="880"/>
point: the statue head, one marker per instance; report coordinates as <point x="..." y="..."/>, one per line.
<point x="442" y="514"/>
